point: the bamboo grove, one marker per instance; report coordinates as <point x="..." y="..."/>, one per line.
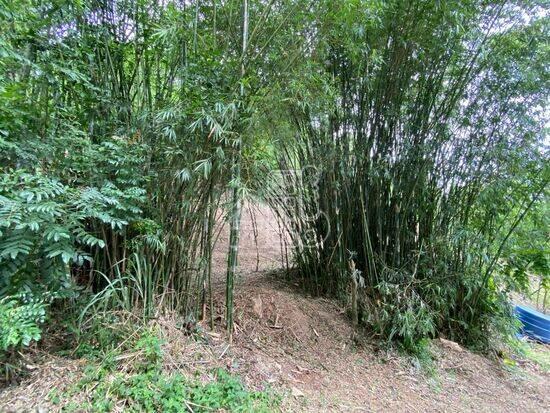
<point x="406" y="154"/>
<point x="401" y="144"/>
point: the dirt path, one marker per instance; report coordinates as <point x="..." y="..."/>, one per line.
<point x="261" y="246"/>
<point x="304" y="348"/>
<point x="305" y="345"/>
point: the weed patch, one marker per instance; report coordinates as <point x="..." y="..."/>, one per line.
<point x="148" y="388"/>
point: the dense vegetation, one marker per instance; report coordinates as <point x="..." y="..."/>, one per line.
<point x="428" y="159"/>
<point x="401" y="143"/>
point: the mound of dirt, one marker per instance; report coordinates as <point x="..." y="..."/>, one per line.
<point x="307" y="346"/>
<point x="304" y="348"/>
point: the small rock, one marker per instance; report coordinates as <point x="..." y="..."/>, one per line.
<point x="297" y="392"/>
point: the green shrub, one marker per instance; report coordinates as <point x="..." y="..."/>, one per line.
<point x="150" y="389"/>
<point x="150" y="346"/>
<point x="53" y="223"/>
<point x="154" y="391"/>
<point x="20" y="322"/>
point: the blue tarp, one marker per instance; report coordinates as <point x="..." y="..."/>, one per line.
<point x="535" y="324"/>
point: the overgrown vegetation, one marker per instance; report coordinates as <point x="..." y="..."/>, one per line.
<point x="426" y="161"/>
<point x="152" y="392"/>
<point x="401" y="143"/>
<point x="150" y="388"/>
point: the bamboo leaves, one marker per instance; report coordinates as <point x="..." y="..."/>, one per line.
<point x="401" y="178"/>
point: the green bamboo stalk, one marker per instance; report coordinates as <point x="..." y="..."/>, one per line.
<point x="234" y="228"/>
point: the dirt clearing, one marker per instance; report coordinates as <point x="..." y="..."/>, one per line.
<point x="304" y="348"/>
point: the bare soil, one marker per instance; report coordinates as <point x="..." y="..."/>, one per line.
<point x="304" y="348"/>
<point x="307" y="346"/>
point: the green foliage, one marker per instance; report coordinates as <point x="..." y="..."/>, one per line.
<point x="20" y="322"/>
<point x="403" y="314"/>
<point x="153" y="391"/>
<point x="538" y="355"/>
<point x="99" y="338"/>
<point x="423" y="356"/>
<point x="46" y="229"/>
<point x="150" y="345"/>
<point x="150" y="389"/>
<point x="123" y="125"/>
<point x="133" y="129"/>
<point x="525" y="263"/>
<point x="426" y="163"/>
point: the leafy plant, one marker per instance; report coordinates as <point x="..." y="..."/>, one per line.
<point x="20" y="322"/>
<point x="150" y="345"/>
<point x="425" y="162"/>
<point x="45" y="230"/>
<point x="126" y="128"/>
<point x="150" y="389"/>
